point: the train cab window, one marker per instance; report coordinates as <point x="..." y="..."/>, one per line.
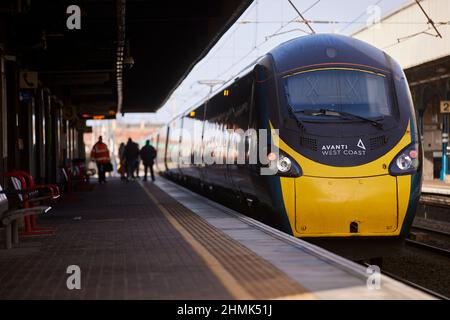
<point x="360" y="92"/>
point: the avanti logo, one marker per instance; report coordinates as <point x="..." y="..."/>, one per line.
<point x="361" y="145"/>
<point x="343" y="149"/>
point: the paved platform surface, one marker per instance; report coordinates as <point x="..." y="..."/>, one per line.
<point x="161" y="241"/>
<point x="125" y="247"/>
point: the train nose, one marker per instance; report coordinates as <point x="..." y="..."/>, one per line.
<point x="346" y="206"/>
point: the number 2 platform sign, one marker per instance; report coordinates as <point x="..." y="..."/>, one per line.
<point x="445" y="106"/>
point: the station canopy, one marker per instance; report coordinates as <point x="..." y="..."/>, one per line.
<point x="164" y="39"/>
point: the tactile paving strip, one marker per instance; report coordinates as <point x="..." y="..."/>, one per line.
<point x="259" y="278"/>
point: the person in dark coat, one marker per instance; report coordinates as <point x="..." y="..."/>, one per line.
<point x="136" y="168"/>
<point x="122" y="167"/>
<point x="131" y="155"/>
<point x="148" y="155"/>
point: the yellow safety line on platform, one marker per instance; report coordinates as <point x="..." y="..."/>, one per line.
<point x="227" y="280"/>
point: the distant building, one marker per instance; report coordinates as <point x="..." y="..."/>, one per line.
<point x="115" y="132"/>
<point x="407" y="37"/>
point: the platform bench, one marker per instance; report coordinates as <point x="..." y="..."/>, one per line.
<point x="9" y="217"/>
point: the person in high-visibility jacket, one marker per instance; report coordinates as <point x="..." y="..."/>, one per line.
<point x="100" y="154"/>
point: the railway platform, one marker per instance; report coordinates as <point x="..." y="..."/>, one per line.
<point x="160" y="241"/>
<point x="435" y="187"/>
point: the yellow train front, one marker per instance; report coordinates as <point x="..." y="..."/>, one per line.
<point x="348" y="142"/>
<point x="347" y="153"/>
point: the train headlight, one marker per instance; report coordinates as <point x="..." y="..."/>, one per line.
<point x="284" y="164"/>
<point x="406" y="162"/>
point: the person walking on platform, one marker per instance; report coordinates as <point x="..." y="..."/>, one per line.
<point x="131" y="154"/>
<point x="122" y="169"/>
<point x="138" y="162"/>
<point x="100" y="154"/>
<point x="148" y="155"/>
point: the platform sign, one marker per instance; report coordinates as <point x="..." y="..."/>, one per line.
<point x="445" y="106"/>
<point x="25" y="95"/>
<point x="28" y="80"/>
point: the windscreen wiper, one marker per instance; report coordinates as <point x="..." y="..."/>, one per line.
<point x="299" y="121"/>
<point x="335" y="113"/>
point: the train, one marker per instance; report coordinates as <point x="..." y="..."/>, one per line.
<point x="342" y="153"/>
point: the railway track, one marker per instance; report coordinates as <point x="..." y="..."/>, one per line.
<point x="412" y="284"/>
<point x="428" y="247"/>
<point x="415" y="285"/>
<point x="431" y="230"/>
<point x="435" y="200"/>
<point x="434" y="207"/>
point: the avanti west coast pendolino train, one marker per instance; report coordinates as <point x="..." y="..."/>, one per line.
<point x="349" y="158"/>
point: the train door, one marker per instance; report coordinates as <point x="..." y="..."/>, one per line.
<point x="214" y="138"/>
<point x="185" y="145"/>
<point x="191" y="141"/>
<point x="195" y="130"/>
<point x="155" y="143"/>
<point x="161" y="149"/>
<point x="173" y="146"/>
<point x="238" y="151"/>
<point x="200" y="147"/>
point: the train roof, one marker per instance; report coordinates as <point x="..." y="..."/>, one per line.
<point x="313" y="49"/>
<point x="327" y="48"/>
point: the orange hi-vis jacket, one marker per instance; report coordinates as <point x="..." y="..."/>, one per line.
<point x="100" y="153"/>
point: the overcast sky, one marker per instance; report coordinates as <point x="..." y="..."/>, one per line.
<point x="264" y="25"/>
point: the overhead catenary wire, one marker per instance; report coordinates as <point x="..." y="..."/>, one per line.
<point x="300" y="19"/>
<point x="431" y="25"/>
<point x="231" y="34"/>
<point x="430" y="21"/>
<point x="410" y="36"/>
<point x="277" y="32"/>
<point x="267" y="38"/>
<point x="360" y="16"/>
<point x="284" y="32"/>
<point x="301" y="16"/>
<point x="295" y="20"/>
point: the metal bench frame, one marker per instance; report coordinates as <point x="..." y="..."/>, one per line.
<point x="25" y="189"/>
<point x="9" y="217"/>
<point x="72" y="180"/>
